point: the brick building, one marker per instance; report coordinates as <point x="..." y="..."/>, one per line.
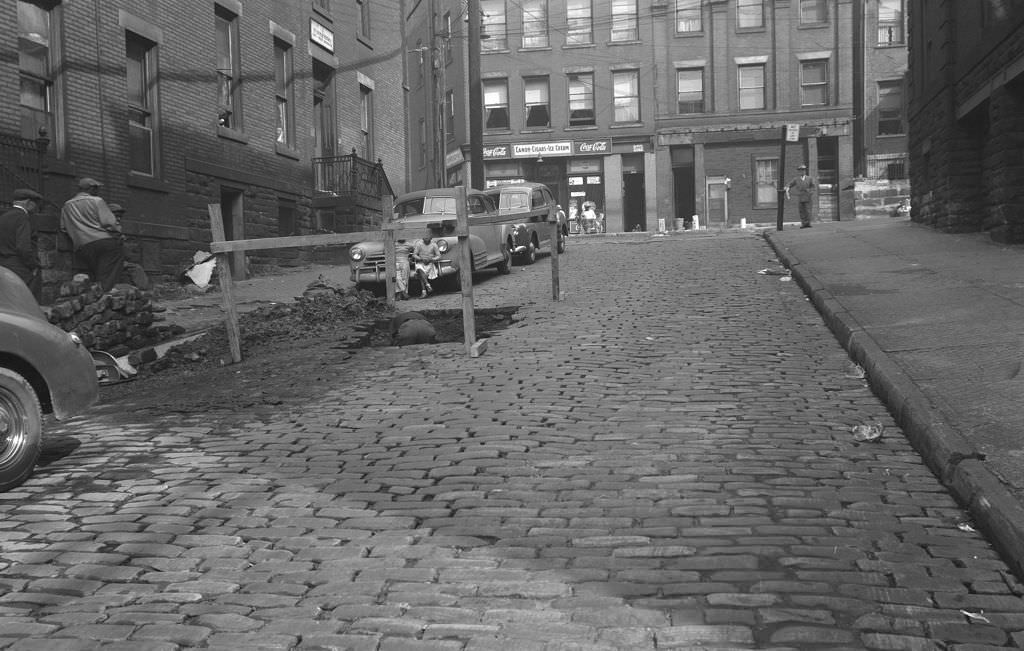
<point x="966" y="110"/>
<point x="662" y="109"/>
<point x="252" y="105"/>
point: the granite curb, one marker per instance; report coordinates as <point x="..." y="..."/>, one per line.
<point x="950" y="455"/>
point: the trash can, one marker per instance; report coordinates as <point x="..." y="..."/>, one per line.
<point x="680" y="224"/>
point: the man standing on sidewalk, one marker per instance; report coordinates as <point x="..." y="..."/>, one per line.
<point x="95" y="235"/>
<point x="17" y="241"/>
<point x="804" y="186"/>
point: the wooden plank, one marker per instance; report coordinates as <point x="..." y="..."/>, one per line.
<point x="227" y="283"/>
<point x="390" y="261"/>
<point x="555" y="231"/>
<point x="465" y="272"/>
<point x="294" y="241"/>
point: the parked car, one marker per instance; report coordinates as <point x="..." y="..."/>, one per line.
<point x="537" y="204"/>
<point x="43" y="370"/>
<point x="487" y="242"/>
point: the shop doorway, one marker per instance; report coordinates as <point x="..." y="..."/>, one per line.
<point x="234" y="228"/>
<point x="685" y="195"/>
<point x="828" y="179"/>
<point x="634" y="208"/>
<point x="717" y="201"/>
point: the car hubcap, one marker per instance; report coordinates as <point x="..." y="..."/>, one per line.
<point x="10" y="434"/>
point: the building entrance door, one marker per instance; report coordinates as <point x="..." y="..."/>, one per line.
<point x="634" y="208"/>
<point x="234" y="227"/>
<point x="717" y="194"/>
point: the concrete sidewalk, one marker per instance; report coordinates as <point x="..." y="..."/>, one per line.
<point x="937" y="322"/>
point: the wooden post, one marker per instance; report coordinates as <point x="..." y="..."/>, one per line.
<point x="556" y="231"/>
<point x="227" y="283"/>
<point x="465" y="269"/>
<point x="387" y="207"/>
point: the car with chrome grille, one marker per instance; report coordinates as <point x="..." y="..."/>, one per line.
<point x="436" y="208"/>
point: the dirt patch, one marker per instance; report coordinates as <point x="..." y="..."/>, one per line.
<point x="287" y="349"/>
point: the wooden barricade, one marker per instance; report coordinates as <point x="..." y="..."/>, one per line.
<point x="389" y="233"/>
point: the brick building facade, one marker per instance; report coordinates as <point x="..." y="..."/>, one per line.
<point x="177" y="105"/>
<point x="662" y="109"/>
<point x="966" y="114"/>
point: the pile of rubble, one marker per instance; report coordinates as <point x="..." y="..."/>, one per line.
<point x="115" y="322"/>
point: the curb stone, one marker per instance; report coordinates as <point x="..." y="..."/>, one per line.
<point x="950" y="455"/>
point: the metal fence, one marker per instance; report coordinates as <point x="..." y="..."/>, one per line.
<point x="887" y="166"/>
<point x="350" y="174"/>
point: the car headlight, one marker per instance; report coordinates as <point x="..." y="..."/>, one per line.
<point x="75" y="339"/>
<point x="442" y="246"/>
<point x="356" y="253"/>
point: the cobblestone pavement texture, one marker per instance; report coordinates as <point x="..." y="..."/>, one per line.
<point x="663" y="460"/>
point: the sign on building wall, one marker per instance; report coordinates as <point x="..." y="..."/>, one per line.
<point x="321" y="35"/>
<point x="535" y="149"/>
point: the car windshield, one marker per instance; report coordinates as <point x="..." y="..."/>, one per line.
<point x="426" y="206"/>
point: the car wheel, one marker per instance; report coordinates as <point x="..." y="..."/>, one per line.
<point x="21" y="429"/>
<point x="531" y="253"/>
<point x="561" y="243"/>
<point x="505" y="266"/>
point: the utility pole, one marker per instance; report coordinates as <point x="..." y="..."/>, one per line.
<point x="476" y="105"/>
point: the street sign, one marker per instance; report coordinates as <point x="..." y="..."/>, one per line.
<point x="792" y="133"/>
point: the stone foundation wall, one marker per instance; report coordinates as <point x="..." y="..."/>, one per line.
<point x="879" y="198"/>
<point x="116" y="322"/>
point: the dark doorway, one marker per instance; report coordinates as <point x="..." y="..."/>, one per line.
<point x="234" y="227"/>
<point x="633" y="202"/>
<point x="684" y="186"/>
<point x="324" y="113"/>
<point x="828" y="179"/>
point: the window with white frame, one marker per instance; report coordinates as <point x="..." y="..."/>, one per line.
<point x="813" y="12"/>
<point x="495" y="93"/>
<point x="364" y="18"/>
<point x="366" y="145"/>
<point x="625" y="21"/>
<point x="229" y="72"/>
<point x="688" y="18"/>
<point x="449" y="115"/>
<point x="37" y="70"/>
<point x="749" y="14"/>
<point x="890" y="108"/>
<point x="814" y="83"/>
<point x="751" y="87"/>
<point x="536" y="101"/>
<point x="535" y="23"/>
<point x="690" y="90"/>
<point x="626" y="98"/>
<point x="766" y="179"/>
<point x="493" y="28"/>
<point x="579" y="16"/>
<point x="890" y="22"/>
<point x="581" y="99"/>
<point x="284" y="90"/>
<point x="140" y="88"/>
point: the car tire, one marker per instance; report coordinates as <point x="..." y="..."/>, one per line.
<point x="531" y="254"/>
<point x="21" y="429"/>
<point x="561" y="242"/>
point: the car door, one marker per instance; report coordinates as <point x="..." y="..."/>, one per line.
<point x="485" y="240"/>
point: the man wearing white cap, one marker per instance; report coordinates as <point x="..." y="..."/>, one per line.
<point x="804" y="186"/>
<point x="95" y="235"/>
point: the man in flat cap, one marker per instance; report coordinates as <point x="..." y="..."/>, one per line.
<point x="95" y="234"/>
<point x="804" y="186"/>
<point x="18" y="241"/>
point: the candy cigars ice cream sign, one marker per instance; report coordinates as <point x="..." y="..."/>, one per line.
<point x="540" y="149"/>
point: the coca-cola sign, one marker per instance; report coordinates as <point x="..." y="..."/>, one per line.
<point x="594" y="147"/>
<point x="496" y="151"/>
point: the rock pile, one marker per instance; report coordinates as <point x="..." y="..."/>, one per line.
<point x="115" y="322"/>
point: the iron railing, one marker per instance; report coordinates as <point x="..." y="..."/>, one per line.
<point x="349" y="175"/>
<point x="887" y="166"/>
<point x="22" y="164"/>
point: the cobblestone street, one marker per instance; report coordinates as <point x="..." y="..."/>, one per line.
<point x="663" y="460"/>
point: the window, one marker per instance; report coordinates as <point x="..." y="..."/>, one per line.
<point x="814" y="83"/>
<point x="625" y="23"/>
<point x="36" y="70"/>
<point x="446" y="43"/>
<point x="492" y="26"/>
<point x="813" y="12"/>
<point x="229" y="95"/>
<point x="284" y="90"/>
<point x="421" y="61"/>
<point x="496" y="104"/>
<point x="890" y="22"/>
<point x="535" y="100"/>
<point x="766" y="178"/>
<point x="286" y="218"/>
<point x="688" y="16"/>
<point x="366" y="122"/>
<point x="749" y="14"/>
<point x="581" y="99"/>
<point x="626" y="86"/>
<point x="535" y="23"/>
<point x="140" y="75"/>
<point x="364" y="18"/>
<point x="751" y="87"/>
<point x="449" y="115"/>
<point x="690" y="83"/>
<point x="890" y="108"/>
<point x="580" y="22"/>
<point x="323" y="5"/>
